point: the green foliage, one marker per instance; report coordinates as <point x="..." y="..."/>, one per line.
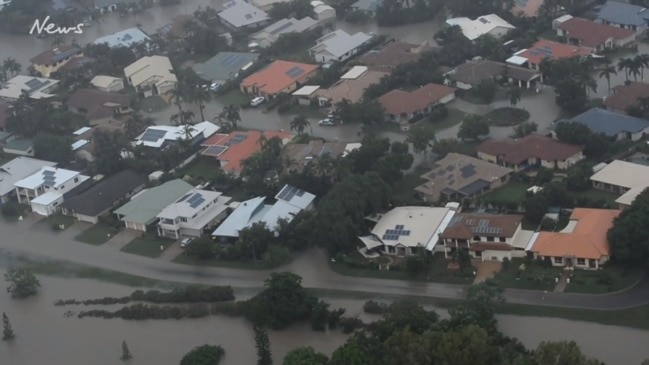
<point x="628" y="236"/>
<point x="126" y="353"/>
<point x="422" y="137"/>
<point x="596" y="146"/>
<point x="374" y="307"/>
<point x="445" y="146"/>
<point x="187" y="294"/>
<point x="464" y="260"/>
<point x="543" y="176"/>
<point x="438" y="113"/>
<point x="486" y="91"/>
<point x="11" y="209"/>
<point x="578" y="178"/>
<point x="52" y="147"/>
<point x="524" y="129"/>
<point x="417" y="264"/>
<point x="305" y="356"/>
<point x="203" y="355"/>
<point x="22" y="282"/>
<point x="30" y="117"/>
<point x="476" y="8"/>
<point x="255" y="239"/>
<point x="358" y="350"/>
<point x="7" y="331"/>
<point x="473" y="127"/>
<point x="300" y="123"/>
<point x="394" y="12"/>
<point x="108" y="148"/>
<point x="297" y="9"/>
<point x="262" y="343"/>
<point x="560" y="353"/>
<point x="465" y="346"/>
<point x="571" y="96"/>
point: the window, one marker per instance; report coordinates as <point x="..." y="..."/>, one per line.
<point x="183" y="219"/>
<point x="476" y="238"/>
<point x="558" y="260"/>
<point x="62" y="187"/>
<point x="490" y="239"/>
<point x="581" y="262"/>
<point x="502" y="239"/>
<point x="76" y="179"/>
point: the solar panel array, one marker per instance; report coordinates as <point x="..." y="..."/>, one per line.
<point x="152" y="135"/>
<point x="484" y="227"/>
<point x="35" y="84"/>
<point x="183" y="198"/>
<point x="232" y="60"/>
<point x="238" y="138"/>
<point x="326" y="150"/>
<point x="58" y="55"/>
<point x="294" y="72"/>
<point x="196" y="200"/>
<point x="289" y="192"/>
<point x="281" y="28"/>
<point x="48" y="177"/>
<point x="394" y="234"/>
<point x="542" y="51"/>
<point x="215" y="150"/>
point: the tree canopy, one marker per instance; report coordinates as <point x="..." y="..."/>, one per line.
<point x="22" y="282"/>
<point x="629" y="236"/>
<point x="203" y="355"/>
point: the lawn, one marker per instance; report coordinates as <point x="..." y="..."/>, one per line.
<point x="97" y="234"/>
<point x="453" y="118"/>
<point x="512" y="193"/>
<point x="595" y="194"/>
<point x="234" y="97"/>
<point x="534" y="277"/>
<point x="507" y="117"/>
<point x="58" y="220"/>
<point x="609" y="279"/>
<point x="148" y="245"/>
<point x="243" y="265"/>
<point x="204" y="169"/>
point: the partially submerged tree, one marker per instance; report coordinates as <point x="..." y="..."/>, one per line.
<point x="22" y="282"/>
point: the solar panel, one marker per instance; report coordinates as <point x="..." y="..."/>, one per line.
<point x="406" y="233"/>
<point x="197" y="202"/>
<point x="48" y="173"/>
<point x="238" y="138"/>
<point x="300" y="192"/>
<point x="399" y="226"/>
<point x="281" y="28"/>
<point x="294" y="72"/>
<point x="152" y="135"/>
<point x="216" y="150"/>
<point x="183" y="198"/>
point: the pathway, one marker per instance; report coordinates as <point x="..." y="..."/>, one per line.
<point x="563" y="282"/>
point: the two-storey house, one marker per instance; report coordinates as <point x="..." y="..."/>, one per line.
<point x="192" y="214"/>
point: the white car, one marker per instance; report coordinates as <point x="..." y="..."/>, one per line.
<point x="215" y="86"/>
<point x="186" y="242"/>
<point x="327" y="122"/>
<point x="257" y="101"/>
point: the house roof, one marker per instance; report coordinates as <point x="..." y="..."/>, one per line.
<point x="146" y="68"/>
<point x="78" y="62"/>
<point x="47" y="198"/>
<point x="474" y="72"/>
<point x="586" y="238"/>
<point x="622" y="13"/>
<point x="625" y="96"/>
<point x="319" y="7"/>
<point x="610" y="123"/>
<point x="48" y="176"/>
<point x="102" y="81"/>
<point x="303" y="153"/>
<point x="339" y="42"/>
<point x="476" y="28"/>
<point x="124" y="38"/>
<point x="239" y="13"/>
<point x="623" y="173"/>
<point x="295" y="196"/>
<point x="591" y="34"/>
<point x="367" y="5"/>
<point x="177" y="27"/>
<point x="231" y="149"/>
<point x="306" y="90"/>
<point x="19" y="144"/>
<point x="532" y="145"/>
<point x="460" y="174"/>
<point x="97" y="103"/>
<point x="224" y="65"/>
<point x="190" y="204"/>
<point x="4" y="107"/>
<point x="628" y="197"/>
<point x="283" y="26"/>
<point x="351" y="89"/>
<point x="278" y="76"/>
<point x="393" y="54"/>
<point x="412" y="226"/>
<point x="552" y="50"/>
<point x="156" y="136"/>
<point x="104" y="194"/>
<point x="18" y="169"/>
<point x="466" y="225"/>
<point x="398" y="102"/>
<point x="144" y="207"/>
<point x="37" y="87"/>
<point x="528" y="8"/>
<point x="54" y="55"/>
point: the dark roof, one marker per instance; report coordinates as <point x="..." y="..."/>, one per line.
<point x="398" y="102"/>
<point x="622" y="13"/>
<point x="625" y="96"/>
<point x="591" y="34"/>
<point x="393" y="54"/>
<point x="467" y="225"/>
<point x="105" y="194"/>
<point x="99" y="104"/>
<point x="55" y="54"/>
<point x="610" y="123"/>
<point x="533" y="145"/>
<point x="78" y="62"/>
<point x="474" y="72"/>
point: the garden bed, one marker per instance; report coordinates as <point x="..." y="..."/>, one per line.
<point x="507" y="117"/>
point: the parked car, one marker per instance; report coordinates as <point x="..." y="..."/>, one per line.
<point x="186" y="242"/>
<point x="215" y="86"/>
<point x="257" y="101"/>
<point x="327" y="122"/>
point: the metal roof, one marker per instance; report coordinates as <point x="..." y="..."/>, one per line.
<point x="610" y="123"/>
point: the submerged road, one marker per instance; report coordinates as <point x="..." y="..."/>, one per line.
<point x="39" y="242"/>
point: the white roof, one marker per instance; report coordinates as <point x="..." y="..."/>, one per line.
<point x="473" y="29"/>
<point x="54" y="177"/>
<point x="628" y="197"/>
<point x="189" y="204"/>
<point x="47" y="198"/>
<point x="37" y="87"/>
<point x="244" y="215"/>
<point x="306" y="90"/>
<point x="350" y="147"/>
<point x="18" y="169"/>
<point x="272" y="32"/>
<point x="354" y="73"/>
<point x="103" y="81"/>
<point x="158" y="68"/>
<point x="266" y="3"/>
<point x="517" y="60"/>
<point x="295" y="197"/>
<point x="320" y="7"/>
<point x="124" y="38"/>
<point x="81" y="131"/>
<point x="240" y="14"/>
<point x="155" y="136"/>
<point x="622" y="173"/>
<point x="78" y="144"/>
<point x="562" y="18"/>
<point x="339" y="42"/>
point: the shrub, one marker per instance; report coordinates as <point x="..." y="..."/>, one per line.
<point x="11" y="210"/>
<point x="350" y="324"/>
<point x="276" y="254"/>
<point x="189" y="294"/>
<point x="374" y="307"/>
<point x="506" y="263"/>
<point x="438" y="113"/>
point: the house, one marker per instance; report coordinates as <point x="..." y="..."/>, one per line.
<point x="302" y="154"/>
<point x="142" y="210"/>
<point x="231" y="149"/>
<point x="458" y="176"/>
<point x="225" y="66"/>
<point x="107" y="6"/>
<point x="78" y="64"/>
<point x="239" y="15"/>
<point x="490" y="24"/>
<point x="98" y="106"/>
<point x="367" y="6"/>
<point x="626" y="96"/>
<point x="290" y="201"/>
<point x="306" y="95"/>
<point x="612" y="124"/>
<point x="267" y="4"/>
<point x="4" y="3"/>
<point x="408" y="231"/>
<point x="151" y="74"/>
<point x="596" y="36"/>
<point x="103" y="196"/>
<point x="546" y="49"/>
<point x="36" y="87"/>
<point x="472" y="73"/>
<point x="533" y="150"/>
<point x="160" y="135"/>
<point x="392" y="55"/>
<point x="278" y="77"/>
<point x="582" y="244"/>
<point x="623" y="15"/>
<point x="404" y="106"/>
<point x="20" y="147"/>
<point x="351" y="86"/>
<point x="126" y="38"/>
<point x="488" y="237"/>
<point x="527" y="8"/>
<point x="46" y="188"/>
<point x="269" y="35"/>
<point x="323" y="11"/>
<point x="16" y="170"/>
<point x="107" y="83"/>
<point x="192" y="213"/>
<point x="54" y="59"/>
<point x="338" y="46"/>
<point x="621" y="177"/>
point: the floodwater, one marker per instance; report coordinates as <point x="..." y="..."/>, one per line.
<point x="40" y="325"/>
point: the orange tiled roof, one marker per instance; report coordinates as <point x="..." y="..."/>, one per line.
<point x="240" y="146"/>
<point x="552" y="50"/>
<point x="278" y="76"/>
<point x="587" y="240"/>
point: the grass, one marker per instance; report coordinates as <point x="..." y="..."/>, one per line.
<point x="509" y="194"/>
<point x="595" y="194"/>
<point x="57" y="220"/>
<point x="97" y="234"/>
<point x="453" y="118"/>
<point x="507" y="117"/>
<point x="153" y="104"/>
<point x="204" y="169"/>
<point x="242" y="265"/>
<point x="233" y="97"/>
<point x="147" y="245"/>
<point x="610" y="279"/>
<point x="534" y="276"/>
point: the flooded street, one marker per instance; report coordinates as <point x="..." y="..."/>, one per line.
<point x="39" y="324"/>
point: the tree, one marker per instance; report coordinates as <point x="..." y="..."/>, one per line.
<point x="262" y="343"/>
<point x="7" y="331"/>
<point x="201" y="95"/>
<point x="126" y="354"/>
<point x="202" y="248"/>
<point x="136" y="124"/>
<point x="422" y="137"/>
<point x="445" y="146"/>
<point x="524" y="129"/>
<point x="304" y="356"/>
<point x="22" y="282"/>
<point x="473" y="127"/>
<point x="625" y="64"/>
<point x="108" y="151"/>
<point x="53" y="147"/>
<point x="177" y="95"/>
<point x="628" y="236"/>
<point x="514" y="93"/>
<point x="299" y="124"/>
<point x="578" y="178"/>
<point x="12" y="66"/>
<point x="559" y="353"/>
<point x="606" y="72"/>
<point x="231" y="115"/>
<point x="571" y="95"/>
<point x="203" y="355"/>
<point x="465" y="346"/>
<point x="256" y="239"/>
<point x="486" y="91"/>
<point x="463" y="259"/>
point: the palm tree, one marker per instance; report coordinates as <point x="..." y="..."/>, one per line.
<point x="188" y="131"/>
<point x="299" y="124"/>
<point x="136" y="125"/>
<point x="12" y="66"/>
<point x="231" y="115"/>
<point x="606" y="72"/>
<point x="625" y="64"/>
<point x="177" y="94"/>
<point x="514" y="94"/>
<point x="635" y="67"/>
<point x="187" y="116"/>
<point x="201" y="96"/>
